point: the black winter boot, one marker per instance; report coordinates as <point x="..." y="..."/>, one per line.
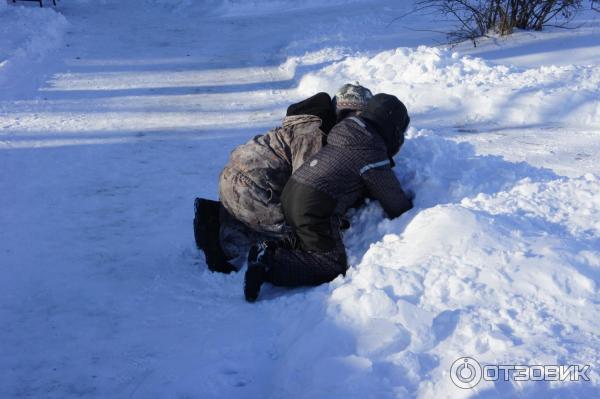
<point x="201" y="215"/>
<point x="206" y="234"/>
<point x="256" y="273"/>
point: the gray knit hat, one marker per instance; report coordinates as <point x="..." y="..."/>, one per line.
<point x="351" y="97"/>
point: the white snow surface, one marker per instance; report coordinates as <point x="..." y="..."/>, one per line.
<point x="470" y="91"/>
<point x="26" y="36"/>
<point x="115" y="115"/>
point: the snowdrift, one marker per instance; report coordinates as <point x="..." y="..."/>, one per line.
<point x="498" y="261"/>
<point x="26" y="36"/>
<point x="443" y="87"/>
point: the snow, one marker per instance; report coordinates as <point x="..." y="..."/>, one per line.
<point x="553" y="46"/>
<point x="26" y="36"/>
<point x="509" y="276"/>
<point x="469" y="91"/>
<point x="115" y="115"/>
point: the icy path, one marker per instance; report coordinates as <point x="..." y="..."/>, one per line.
<point x="102" y="293"/>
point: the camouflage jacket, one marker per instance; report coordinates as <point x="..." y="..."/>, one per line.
<point x="251" y="183"/>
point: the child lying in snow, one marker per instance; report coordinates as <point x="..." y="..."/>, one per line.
<point x="251" y="183"/>
<point x="357" y="159"/>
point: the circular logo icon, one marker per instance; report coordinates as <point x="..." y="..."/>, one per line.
<point x="465" y="372"/>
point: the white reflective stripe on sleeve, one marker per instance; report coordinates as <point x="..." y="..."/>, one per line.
<point x="374" y="165"/>
<point x="358" y="121"/>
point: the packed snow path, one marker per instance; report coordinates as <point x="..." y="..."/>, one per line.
<point x="105" y="145"/>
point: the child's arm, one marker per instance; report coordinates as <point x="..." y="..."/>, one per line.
<point x="383" y="186"/>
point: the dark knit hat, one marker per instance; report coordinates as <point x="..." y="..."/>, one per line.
<point x="318" y="105"/>
<point x="390" y="117"/>
<point x="353" y="97"/>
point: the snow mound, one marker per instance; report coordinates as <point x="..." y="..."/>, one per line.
<point x="27" y="34"/>
<point x="443" y="87"/>
<point x="570" y="204"/>
<point x="498" y="261"/>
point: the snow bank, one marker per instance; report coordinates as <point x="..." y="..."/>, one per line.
<point x="26" y="36"/>
<point x="569" y="204"/>
<point x="498" y="261"/>
<point x="443" y="87"/>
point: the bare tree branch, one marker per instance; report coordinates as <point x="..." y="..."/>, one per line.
<point x="477" y="18"/>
